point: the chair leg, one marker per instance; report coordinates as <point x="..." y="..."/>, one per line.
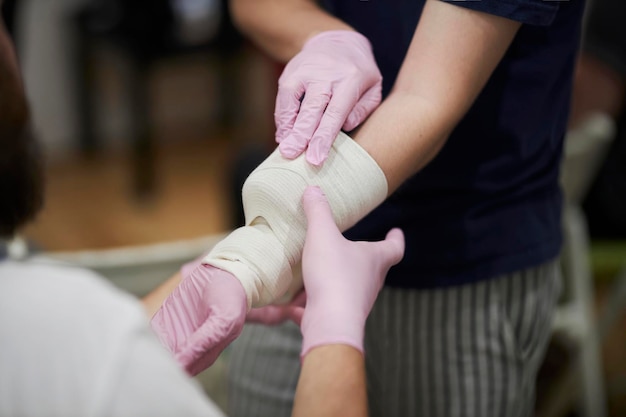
<point x="592" y="394"/>
<point x="614" y="306"/>
<point x="143" y="148"/>
<point x="89" y="142"/>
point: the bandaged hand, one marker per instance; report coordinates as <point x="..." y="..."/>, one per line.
<point x="254" y="265"/>
<point x="332" y="83"/>
<point x="341" y="278"/>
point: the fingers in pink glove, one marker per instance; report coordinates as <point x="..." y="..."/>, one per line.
<point x="392" y="247"/>
<point x="321" y="227"/>
<point x="201" y="317"/>
<point x="342" y="101"/>
<point x="342" y="289"/>
<point x="288" y="102"/>
<point x="190" y="266"/>
<point x="276" y="314"/>
<point x="333" y="82"/>
<point x="364" y="107"/>
<point x="313" y="108"/>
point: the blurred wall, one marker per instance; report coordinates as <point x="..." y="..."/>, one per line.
<point x="44" y="42"/>
<point x="183" y="91"/>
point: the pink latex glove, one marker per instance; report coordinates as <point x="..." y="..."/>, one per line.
<point x="276" y="314"/>
<point x="333" y="82"/>
<point x="341" y="278"/>
<point x="202" y="316"/>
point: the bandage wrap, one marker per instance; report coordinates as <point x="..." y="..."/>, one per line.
<point x="263" y="253"/>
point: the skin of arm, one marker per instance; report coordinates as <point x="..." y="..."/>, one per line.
<point x="331" y="383"/>
<point x="281" y="27"/>
<point x="435" y="88"/>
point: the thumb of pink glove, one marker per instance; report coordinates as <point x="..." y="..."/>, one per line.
<point x="201" y="317"/>
<point x="341" y="278"/>
<point x="333" y="82"/>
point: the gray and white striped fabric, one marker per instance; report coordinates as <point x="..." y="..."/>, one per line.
<point x="472" y="350"/>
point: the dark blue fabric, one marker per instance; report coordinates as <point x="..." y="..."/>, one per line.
<point x="489" y="203"/>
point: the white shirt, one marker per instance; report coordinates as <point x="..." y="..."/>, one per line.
<point x="71" y="344"/>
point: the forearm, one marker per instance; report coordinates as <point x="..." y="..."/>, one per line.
<point x="332" y="383"/>
<point x="281" y="27"/>
<point x="402" y="136"/>
<point x="452" y="55"/>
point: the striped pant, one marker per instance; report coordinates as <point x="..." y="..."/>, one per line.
<point x="472" y="350"/>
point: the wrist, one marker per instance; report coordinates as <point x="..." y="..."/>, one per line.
<point x="331" y="328"/>
<point x="317" y="36"/>
<point x="329" y="376"/>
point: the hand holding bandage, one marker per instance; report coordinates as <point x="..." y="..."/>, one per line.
<point x="263" y="253"/>
<point x="342" y="278"/>
<point x="333" y="83"/>
<point x="253" y="265"/>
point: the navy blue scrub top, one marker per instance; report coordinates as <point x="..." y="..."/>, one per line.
<point x="490" y="201"/>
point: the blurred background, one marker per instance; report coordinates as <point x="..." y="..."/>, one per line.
<point x="152" y="112"/>
<point x="144" y="108"/>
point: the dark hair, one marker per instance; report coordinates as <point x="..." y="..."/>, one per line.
<point x="21" y="179"/>
<point x="21" y="174"/>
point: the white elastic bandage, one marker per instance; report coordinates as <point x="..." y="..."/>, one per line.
<point x="262" y="253"/>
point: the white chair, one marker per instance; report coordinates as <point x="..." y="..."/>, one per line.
<point x="585" y="149"/>
<point x="139" y="269"/>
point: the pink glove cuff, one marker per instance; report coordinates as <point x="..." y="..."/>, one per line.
<point x="329" y="330"/>
<point x="339" y="35"/>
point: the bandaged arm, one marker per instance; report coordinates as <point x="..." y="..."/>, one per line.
<point x="263" y="253"/>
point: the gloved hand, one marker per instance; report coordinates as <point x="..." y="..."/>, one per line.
<point x="337" y="74"/>
<point x="341" y="278"/>
<point x="202" y="316"/>
<point x="270" y="314"/>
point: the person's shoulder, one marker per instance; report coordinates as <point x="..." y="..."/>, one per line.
<point x="45" y="271"/>
<point x="51" y="274"/>
<point x="87" y="345"/>
<point x="55" y="289"/>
